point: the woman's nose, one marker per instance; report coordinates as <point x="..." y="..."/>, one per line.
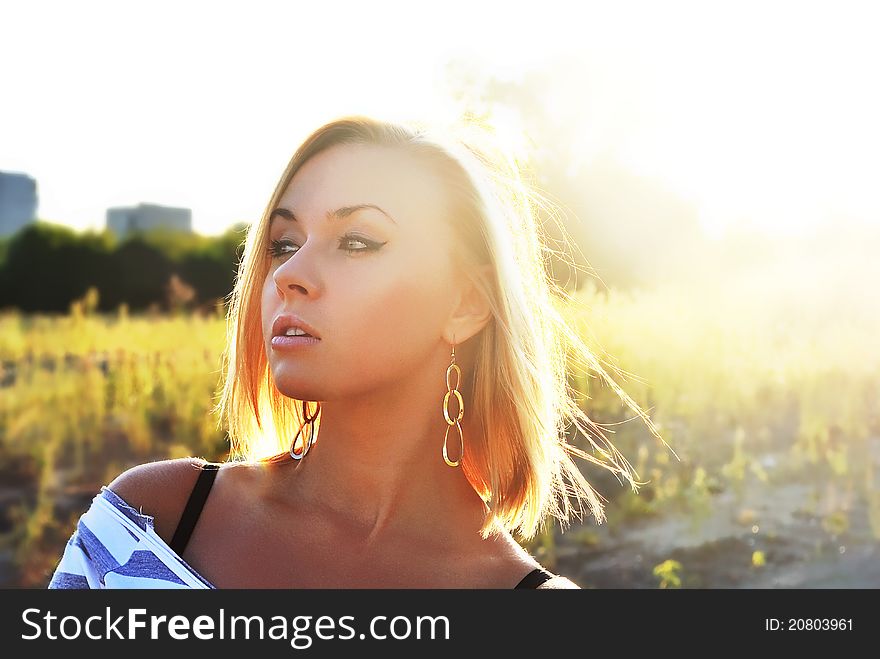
<point x="284" y="288"/>
<point x="296" y="275"/>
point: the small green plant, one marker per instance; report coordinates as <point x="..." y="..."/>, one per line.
<point x="667" y="573"/>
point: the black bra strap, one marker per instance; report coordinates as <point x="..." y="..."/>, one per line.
<point x="535" y="578"/>
<point x="193" y="508"/>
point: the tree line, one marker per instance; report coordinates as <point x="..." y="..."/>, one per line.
<point x="46" y="267"/>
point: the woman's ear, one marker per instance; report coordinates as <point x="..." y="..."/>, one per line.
<point x="472" y="309"/>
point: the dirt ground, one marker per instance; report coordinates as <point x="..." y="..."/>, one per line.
<point x="809" y="536"/>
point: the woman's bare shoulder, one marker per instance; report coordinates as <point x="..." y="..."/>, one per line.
<point x="159" y="489"/>
<point x="514" y="563"/>
<point x="559" y="582"/>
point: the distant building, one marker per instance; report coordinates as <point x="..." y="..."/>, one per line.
<point x="145" y="217"/>
<point x="18" y="202"/>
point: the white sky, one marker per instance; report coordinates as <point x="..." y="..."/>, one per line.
<point x="762" y="112"/>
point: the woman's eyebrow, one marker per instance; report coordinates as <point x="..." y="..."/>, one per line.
<point x="338" y="214"/>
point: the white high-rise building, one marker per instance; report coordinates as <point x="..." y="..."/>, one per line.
<point x="145" y="217"/>
<point x="18" y="202"/>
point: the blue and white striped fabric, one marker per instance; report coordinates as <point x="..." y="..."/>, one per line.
<point x="115" y="546"/>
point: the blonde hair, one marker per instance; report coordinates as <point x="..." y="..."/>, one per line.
<point x="520" y="464"/>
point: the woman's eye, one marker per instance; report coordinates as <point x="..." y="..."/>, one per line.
<point x="354" y="243"/>
<point x="277" y="247"/>
<point x="350" y="243"/>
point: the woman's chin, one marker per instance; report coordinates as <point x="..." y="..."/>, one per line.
<point x="293" y="385"/>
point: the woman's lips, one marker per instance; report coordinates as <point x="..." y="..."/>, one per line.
<point x="293" y="342"/>
<point x="285" y="321"/>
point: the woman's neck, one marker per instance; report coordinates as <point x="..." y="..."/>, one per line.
<point x="377" y="465"/>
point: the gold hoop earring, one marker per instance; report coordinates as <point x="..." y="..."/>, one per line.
<point x="307" y="421"/>
<point x="453" y="391"/>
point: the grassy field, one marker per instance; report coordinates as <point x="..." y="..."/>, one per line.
<point x="84" y="397"/>
<point x="770" y="405"/>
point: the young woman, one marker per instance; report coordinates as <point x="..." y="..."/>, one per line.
<point x="395" y="391"/>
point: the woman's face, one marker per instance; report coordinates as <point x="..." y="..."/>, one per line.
<point x="362" y="255"/>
